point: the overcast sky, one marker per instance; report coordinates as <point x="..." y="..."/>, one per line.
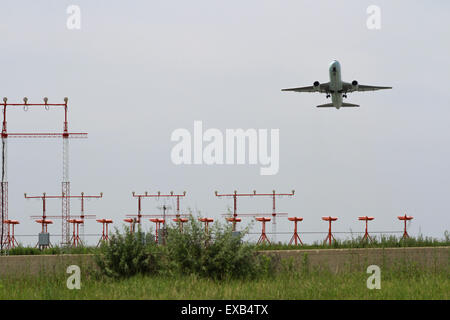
<point x="138" y="70"/>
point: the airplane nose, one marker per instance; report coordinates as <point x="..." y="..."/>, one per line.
<point x="334" y="65"/>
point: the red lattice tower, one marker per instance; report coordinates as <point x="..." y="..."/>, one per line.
<point x="65" y="135"/>
<point x="105" y="233"/>
<point x="206" y="221"/>
<point x="263" y="238"/>
<point x="11" y="241"/>
<point x="405" y="218"/>
<point x="366" y="233"/>
<point x="158" y="195"/>
<point x="295" y="236"/>
<point x="234" y="219"/>
<point x="330" y="235"/>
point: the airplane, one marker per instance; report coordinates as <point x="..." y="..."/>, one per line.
<point x="336" y="88"/>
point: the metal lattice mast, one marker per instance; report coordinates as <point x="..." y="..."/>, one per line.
<point x="65" y="190"/>
<point x="66" y="194"/>
<point x="4" y="183"/>
<point x="65" y="180"/>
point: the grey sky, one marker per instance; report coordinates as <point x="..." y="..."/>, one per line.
<point x="138" y="70"/>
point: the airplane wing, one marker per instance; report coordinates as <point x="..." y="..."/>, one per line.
<point x="323" y="88"/>
<point x="371" y="88"/>
<point x="348" y="87"/>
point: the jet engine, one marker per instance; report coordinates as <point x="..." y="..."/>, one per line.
<point x="355" y="85"/>
<point x="316" y="85"/>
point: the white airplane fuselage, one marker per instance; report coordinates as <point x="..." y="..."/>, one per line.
<point x="335" y="84"/>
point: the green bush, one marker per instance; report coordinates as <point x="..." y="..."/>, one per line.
<point x="127" y="254"/>
<point x="217" y="255"/>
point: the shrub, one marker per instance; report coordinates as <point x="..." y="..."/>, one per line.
<point x="127" y="254"/>
<point x="217" y="255"/>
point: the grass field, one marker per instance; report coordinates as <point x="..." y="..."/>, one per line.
<point x="190" y="265"/>
<point x="403" y="282"/>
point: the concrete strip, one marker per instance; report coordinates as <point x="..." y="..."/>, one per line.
<point x="335" y="260"/>
<point x="21" y="265"/>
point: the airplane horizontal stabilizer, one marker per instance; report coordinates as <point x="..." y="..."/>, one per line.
<point x="326" y="105"/>
<point x="344" y="104"/>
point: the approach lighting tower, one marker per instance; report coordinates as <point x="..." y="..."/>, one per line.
<point x="405" y="218"/>
<point x="295" y="236"/>
<point x="180" y="222"/>
<point x="330" y="235"/>
<point x="207" y="221"/>
<point x="263" y="238"/>
<point x="75" y="240"/>
<point x="366" y="233"/>
<point x="274" y="214"/>
<point x="105" y="233"/>
<point x="132" y="223"/>
<point x="11" y="241"/>
<point x="65" y="135"/>
<point x="158" y="195"/>
<point x="81" y="217"/>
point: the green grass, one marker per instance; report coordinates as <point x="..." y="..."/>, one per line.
<point x="20" y="250"/>
<point x="401" y="283"/>
<point x="193" y="265"/>
<point x="378" y="242"/>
